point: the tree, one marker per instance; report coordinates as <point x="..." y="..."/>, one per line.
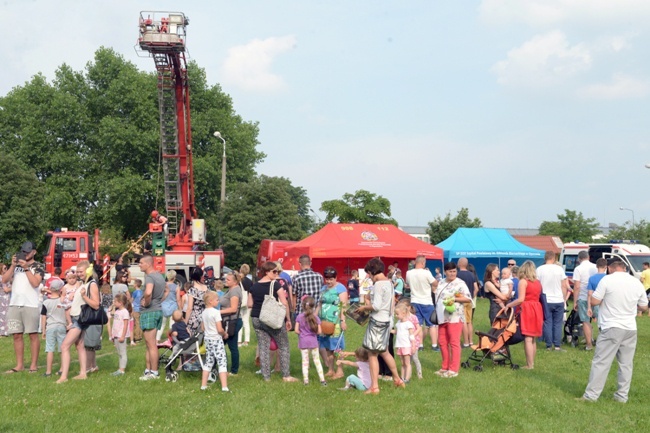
<point x="260" y="209"/>
<point x="21" y="203"/>
<point x="640" y="232"/>
<point x="92" y="138"/>
<point x="570" y="226"/>
<point x="441" y="228"/>
<point x="360" y="207"/>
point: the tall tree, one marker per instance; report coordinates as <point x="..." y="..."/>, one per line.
<point x="262" y="208"/>
<point x="92" y="138"/>
<point x="360" y="207"/>
<point x="640" y="232"/>
<point x="570" y="226"/>
<point x="441" y="228"/>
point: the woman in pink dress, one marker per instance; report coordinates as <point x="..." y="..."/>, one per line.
<point x="531" y="318"/>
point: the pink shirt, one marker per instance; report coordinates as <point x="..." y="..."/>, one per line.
<point x="414" y="320"/>
<point x="363" y="371"/>
<point x="118" y="323"/>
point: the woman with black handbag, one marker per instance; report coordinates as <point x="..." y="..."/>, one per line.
<point x="230" y="304"/>
<point x="87" y="296"/>
<point x="379" y="326"/>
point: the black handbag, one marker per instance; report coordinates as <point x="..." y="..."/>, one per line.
<point x="230" y="325"/>
<point x="90" y="316"/>
<point x="434" y="315"/>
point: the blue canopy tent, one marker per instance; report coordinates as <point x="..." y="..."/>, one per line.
<point x="483" y="246"/>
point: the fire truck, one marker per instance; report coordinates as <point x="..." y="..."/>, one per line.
<point x="179" y="242"/>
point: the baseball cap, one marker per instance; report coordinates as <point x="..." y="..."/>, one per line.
<point x="56" y="285"/>
<point x="27" y="247"/>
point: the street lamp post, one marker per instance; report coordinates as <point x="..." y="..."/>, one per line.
<point x="223" y="168"/>
<point x="630" y="210"/>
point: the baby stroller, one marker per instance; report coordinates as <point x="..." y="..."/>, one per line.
<point x="573" y="329"/>
<point x="495" y="344"/>
<point x="183" y="356"/>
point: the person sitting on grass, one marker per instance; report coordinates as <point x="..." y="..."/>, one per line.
<point x="361" y="380"/>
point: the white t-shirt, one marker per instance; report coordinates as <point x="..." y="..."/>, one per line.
<point x="23" y="294"/>
<point x="582" y="273"/>
<point x="402" y="333"/>
<point x="506" y="285"/>
<point x="551" y="277"/>
<point x="211" y="317"/>
<point x="420" y="280"/>
<point x="620" y="294"/>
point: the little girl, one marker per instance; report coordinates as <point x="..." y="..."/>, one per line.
<point x="361" y="380"/>
<point x="418" y="337"/>
<point x="215" y="352"/>
<point x="404" y="340"/>
<point x="120" y="329"/>
<point x="308" y="328"/>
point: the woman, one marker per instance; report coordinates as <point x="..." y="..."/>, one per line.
<point x="169" y="303"/>
<point x="381" y="316"/>
<point x="332" y="302"/>
<point x="531" y="319"/>
<point x="195" y="304"/>
<point x="452" y="297"/>
<point x="87" y="294"/>
<point x="5" y="295"/>
<point x="230" y="304"/>
<point x="121" y="284"/>
<point x="493" y="290"/>
<point x="244" y="336"/>
<point x="256" y="296"/>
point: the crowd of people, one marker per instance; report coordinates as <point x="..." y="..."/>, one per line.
<point x="402" y="308"/>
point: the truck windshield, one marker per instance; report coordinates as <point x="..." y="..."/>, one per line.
<point x="637" y="261"/>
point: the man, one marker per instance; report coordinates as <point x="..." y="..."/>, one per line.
<point x="512" y="263"/>
<point x="151" y="314"/>
<point x="472" y="285"/>
<point x="581" y="275"/>
<point x="23" y="316"/>
<point x="422" y="285"/>
<point x="619" y="296"/>
<point x="306" y="283"/>
<point x="594" y="280"/>
<point x="645" y="279"/>
<point x="554" y="285"/>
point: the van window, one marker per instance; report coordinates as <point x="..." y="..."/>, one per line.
<point x="69" y="244"/>
<point x="82" y="245"/>
<point x="570" y="263"/>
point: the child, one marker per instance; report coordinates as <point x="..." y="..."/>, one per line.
<point x="185" y="297"/>
<point x="418" y="337"/>
<point x="120" y="329"/>
<point x="179" y="332"/>
<point x="215" y="352"/>
<point x="404" y="340"/>
<point x="53" y="324"/>
<point x="68" y="292"/>
<point x="361" y="380"/>
<point x="506" y="282"/>
<point x="308" y="328"/>
<point x="136" y="297"/>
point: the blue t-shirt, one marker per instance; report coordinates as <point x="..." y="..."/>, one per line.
<point x="593" y="281"/>
<point x="286" y="277"/>
<point x="515" y="287"/>
<point x="137" y="298"/>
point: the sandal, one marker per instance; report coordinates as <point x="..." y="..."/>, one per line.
<point x="12" y="371"/>
<point x="399" y="383"/>
<point x="33" y="371"/>
<point x="373" y="391"/>
<point x="289" y="379"/>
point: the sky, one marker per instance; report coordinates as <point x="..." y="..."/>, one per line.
<point x="513" y="109"/>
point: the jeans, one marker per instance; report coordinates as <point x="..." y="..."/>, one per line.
<point x="553" y="321"/>
<point x="234" y="349"/>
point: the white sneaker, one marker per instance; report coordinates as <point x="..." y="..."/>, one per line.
<point x="150" y="376"/>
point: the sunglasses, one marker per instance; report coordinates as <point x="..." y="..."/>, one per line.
<point x="275" y="271"/>
<point x="511" y="264"/>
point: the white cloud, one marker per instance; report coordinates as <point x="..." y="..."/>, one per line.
<point x="543" y="61"/>
<point x="541" y="13"/>
<point x="621" y="87"/>
<point x="249" y="66"/>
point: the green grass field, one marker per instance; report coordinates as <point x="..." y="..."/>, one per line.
<point x="497" y="399"/>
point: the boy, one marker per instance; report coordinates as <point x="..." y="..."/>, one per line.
<point x="53" y="323"/>
<point x="215" y="352"/>
<point x="179" y="328"/>
<point x="137" y="298"/>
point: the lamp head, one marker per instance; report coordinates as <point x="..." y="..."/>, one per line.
<point x="217" y="134"/>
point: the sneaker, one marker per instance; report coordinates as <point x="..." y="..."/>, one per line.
<point x="46" y="374"/>
<point x="589" y="348"/>
<point x="258" y="372"/>
<point x="203" y="388"/>
<point x="559" y="349"/>
<point x="435" y="348"/>
<point x="450" y="374"/>
<point x="323" y="383"/>
<point x="117" y="373"/>
<point x="150" y="376"/>
<point x="225" y="389"/>
<point x="442" y="373"/>
<point x="345" y="388"/>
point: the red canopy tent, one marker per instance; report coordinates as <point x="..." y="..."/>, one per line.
<point x="350" y="246"/>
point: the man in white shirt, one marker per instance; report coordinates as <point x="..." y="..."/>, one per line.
<point x="554" y="285"/>
<point x="581" y="275"/>
<point x="620" y="296"/>
<point x="422" y="284"/>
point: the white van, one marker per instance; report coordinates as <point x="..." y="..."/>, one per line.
<point x="631" y="253"/>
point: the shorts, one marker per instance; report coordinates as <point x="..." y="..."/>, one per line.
<point x="151" y="320"/>
<point x="23" y="320"/>
<point x="54" y="337"/>
<point x="469" y="313"/>
<point x="331" y="343"/>
<point x="404" y="351"/>
<point x="582" y="311"/>
<point x="423" y="313"/>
